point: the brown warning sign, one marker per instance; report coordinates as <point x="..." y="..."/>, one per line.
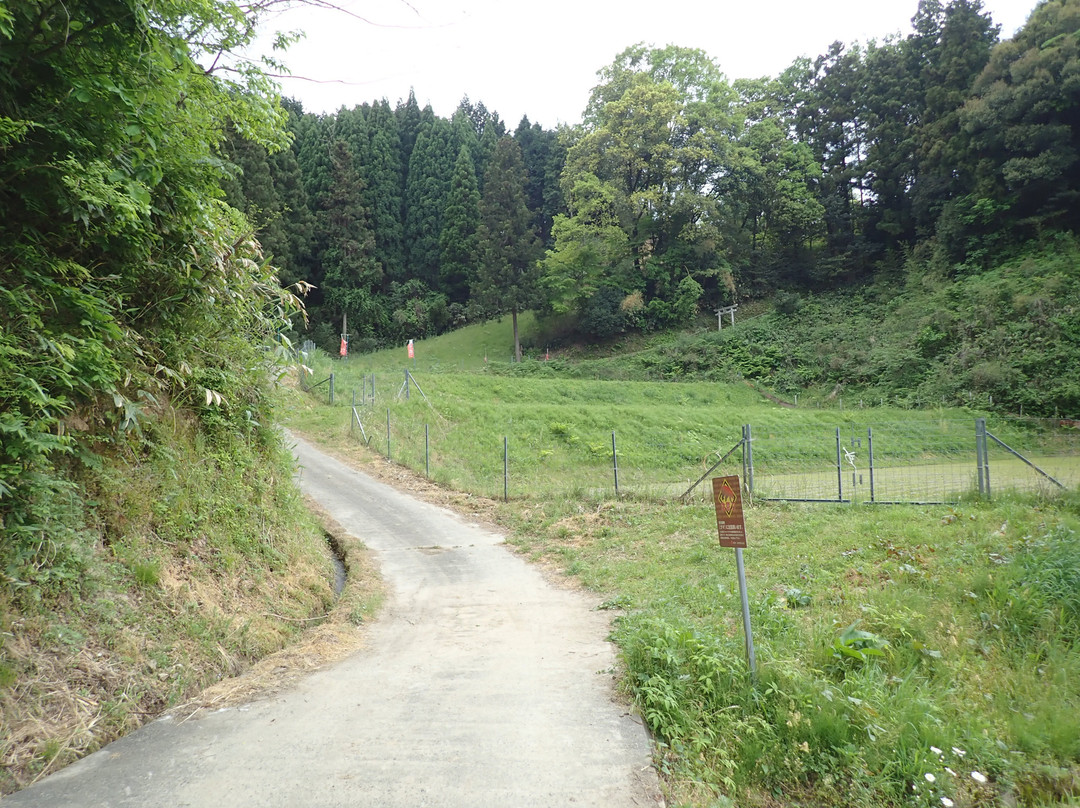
<point x="729" y="514"/>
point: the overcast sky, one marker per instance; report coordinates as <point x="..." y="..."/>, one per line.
<point x="540" y="58"/>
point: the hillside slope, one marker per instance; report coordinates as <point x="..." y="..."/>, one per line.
<point x="1005" y="340"/>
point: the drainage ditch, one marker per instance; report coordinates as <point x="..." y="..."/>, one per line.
<point x="340" y="572"/>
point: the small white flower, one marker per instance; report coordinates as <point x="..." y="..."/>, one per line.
<point x="947" y="802"/>
<point x="935" y="750"/>
<point x="978" y="777"/>
<point x="929" y="777"/>
<point x="958" y="752"/>
<point x="950" y="771"/>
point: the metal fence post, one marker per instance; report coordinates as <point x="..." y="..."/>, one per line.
<point x="331" y="388"/>
<point x="980" y="426"/>
<point x="748" y="459"/>
<point x="982" y="461"/>
<point x="839" y="470"/>
<point x="427" y="470"/>
<point x="870" y="455"/>
<point x="506" y="469"/>
<point x="406" y="384"/>
<point x="387" y="433"/>
<point x="615" y="462"/>
<point x="743" y="444"/>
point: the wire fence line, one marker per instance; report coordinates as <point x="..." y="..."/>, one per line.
<point x="887" y="463"/>
<point x="918" y="460"/>
<point x="935" y="463"/>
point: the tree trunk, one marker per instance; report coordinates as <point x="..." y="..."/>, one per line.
<point x="517" y="342"/>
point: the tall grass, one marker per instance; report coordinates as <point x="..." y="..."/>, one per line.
<point x="970" y="666"/>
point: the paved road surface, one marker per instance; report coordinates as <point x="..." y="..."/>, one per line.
<point x="482" y="685"/>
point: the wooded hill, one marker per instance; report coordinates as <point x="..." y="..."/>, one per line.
<point x="945" y="151"/>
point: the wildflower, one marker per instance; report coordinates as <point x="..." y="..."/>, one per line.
<point x="950" y="771"/>
<point x="929" y="777"/>
<point x="947" y="802"/>
<point x="936" y="751"/>
<point x="958" y="752"/>
<point x="978" y="777"/>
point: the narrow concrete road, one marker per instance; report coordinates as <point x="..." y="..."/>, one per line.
<point x="482" y="685"/>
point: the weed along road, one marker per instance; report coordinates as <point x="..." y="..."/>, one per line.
<point x="481" y="684"/>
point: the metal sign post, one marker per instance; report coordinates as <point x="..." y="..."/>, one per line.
<point x="731" y="526"/>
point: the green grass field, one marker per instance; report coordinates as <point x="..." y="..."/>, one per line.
<point x="559" y="435"/>
<point x="921" y="655"/>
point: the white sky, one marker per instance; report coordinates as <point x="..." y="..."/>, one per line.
<point x="540" y="58"/>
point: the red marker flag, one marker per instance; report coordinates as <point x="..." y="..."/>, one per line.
<point x="344" y="347"/>
<point x="411" y="354"/>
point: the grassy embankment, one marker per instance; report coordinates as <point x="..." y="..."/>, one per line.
<point x="176" y="559"/>
<point x="909" y="655"/>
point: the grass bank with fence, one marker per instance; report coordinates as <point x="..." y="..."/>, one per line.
<point x="503" y="436"/>
<point x="917" y="654"/>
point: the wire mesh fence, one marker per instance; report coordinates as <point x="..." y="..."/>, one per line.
<point x="1039" y="455"/>
<point x="912" y="462"/>
<point x="537" y="451"/>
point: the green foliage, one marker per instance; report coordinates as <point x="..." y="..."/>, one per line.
<point x="603" y="315"/>
<point x="543" y="155"/>
<point x="458" y="240"/>
<point x="507" y="277"/>
<point x="635" y="180"/>
<point x="1001" y="339"/>
<point x="147" y="573"/>
<point x="353" y="276"/>
<point x="1036" y="593"/>
<point x="944" y="143"/>
<point x="123" y="276"/>
<point x="427" y="188"/>
<point x="1021" y="120"/>
<point x="854" y="644"/>
<point x="45" y="540"/>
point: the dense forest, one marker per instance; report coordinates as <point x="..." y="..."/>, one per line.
<point x="681" y="189"/>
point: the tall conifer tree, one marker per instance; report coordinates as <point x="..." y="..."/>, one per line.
<point x="290" y="242"/>
<point x="352" y="275"/>
<point x="385" y="186"/>
<point x="457" y="242"/>
<point x="426" y="190"/>
<point x="543" y="156"/>
<point x="508" y="275"/>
